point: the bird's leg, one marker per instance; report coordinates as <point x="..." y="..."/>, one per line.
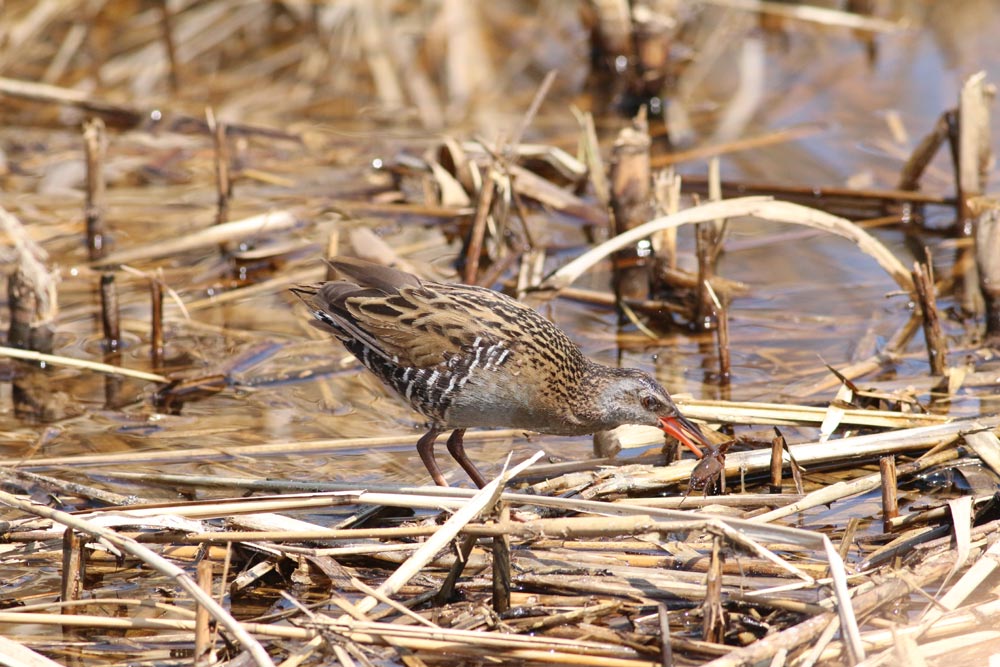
<point x="457" y="450"/>
<point x="425" y="447"/>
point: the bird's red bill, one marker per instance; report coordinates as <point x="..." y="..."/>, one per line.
<point x="685" y="431"/>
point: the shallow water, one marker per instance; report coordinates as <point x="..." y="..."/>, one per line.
<point x="811" y="299"/>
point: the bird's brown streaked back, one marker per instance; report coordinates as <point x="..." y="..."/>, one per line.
<point x="467" y="356"/>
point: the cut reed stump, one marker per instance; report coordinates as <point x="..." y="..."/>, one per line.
<point x="631" y="204"/>
<point x="31" y="291"/>
<point x="986" y="211"/>
<point x="95" y="145"/>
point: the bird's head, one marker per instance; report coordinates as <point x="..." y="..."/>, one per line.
<point x="630" y="396"/>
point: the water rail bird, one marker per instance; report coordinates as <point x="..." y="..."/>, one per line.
<point x="470" y="357"/>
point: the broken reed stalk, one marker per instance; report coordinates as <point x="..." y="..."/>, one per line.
<point x="95" y="144"/>
<point x="111" y="328"/>
<point x="611" y="42"/>
<point x="32" y="297"/>
<point x="501" y="564"/>
<point x="971" y="139"/>
<point x="447" y="589"/>
<point x="166" y="23"/>
<point x="651" y="37"/>
<point x="829" y="198"/>
<point x="847" y="539"/>
<point x="631" y="205"/>
<point x="156" y="323"/>
<point x="777" y="452"/>
<point x="937" y="349"/>
<point x="671" y="450"/>
<point x="913" y="169"/>
<point x="223" y="184"/>
<point x="73" y="560"/>
<point x="704" y="316"/>
<point x="793" y="466"/>
<point x="202" y="631"/>
<point x="666" y="651"/>
<point x="477" y="233"/>
<point x="713" y="622"/>
<point x="33" y="301"/>
<point x="110" y="314"/>
<point x="473" y="643"/>
<point x="974" y="145"/>
<point x="484" y="499"/>
<point x="536" y="103"/>
<point x="155" y="561"/>
<point x="721" y="317"/>
<point x="890" y="504"/>
<point x="124" y="115"/>
<point x="986" y="211"/>
<point x="667" y="195"/>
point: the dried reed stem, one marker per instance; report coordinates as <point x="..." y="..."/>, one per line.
<point x="887" y="476"/>
<point x="166" y="24"/>
<point x="631" y="205"/>
<point x="98" y="367"/>
<point x="777" y="463"/>
<point x="156" y="322"/>
<point x="762" y="207"/>
<point x="478" y="230"/>
<point x="154" y="560"/>
<point x="73" y="561"/>
<point x="986" y="211"/>
<point x="937" y="350"/>
<point x="501" y="564"/>
<point x="95" y="145"/>
<point x="202" y="632"/>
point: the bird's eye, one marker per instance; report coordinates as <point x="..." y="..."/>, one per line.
<point x="649" y="402"/>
